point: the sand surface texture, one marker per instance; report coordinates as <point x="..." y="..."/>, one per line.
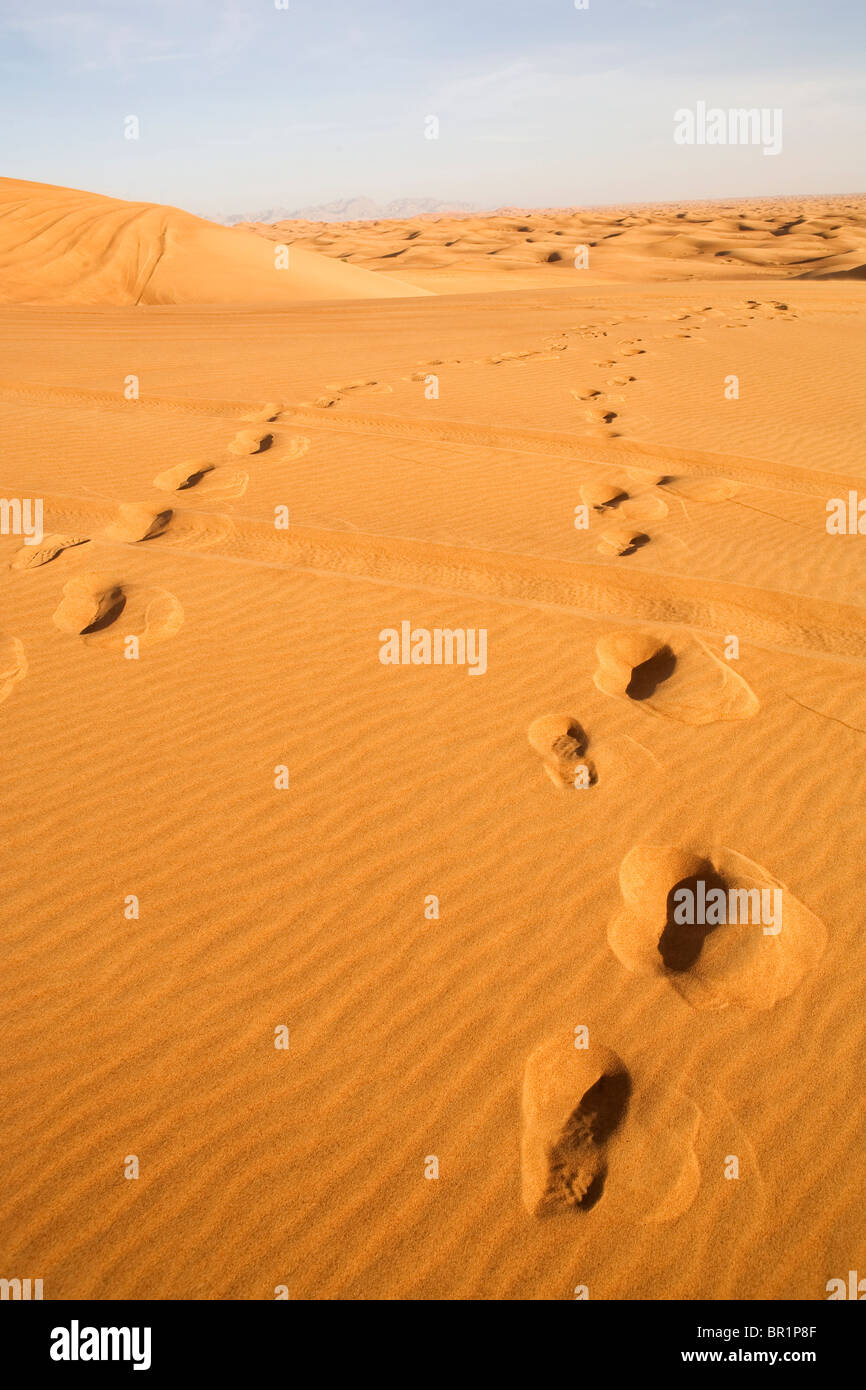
<point x="582" y="1074"/>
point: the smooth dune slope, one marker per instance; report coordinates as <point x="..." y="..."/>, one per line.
<point x="65" y="246"/>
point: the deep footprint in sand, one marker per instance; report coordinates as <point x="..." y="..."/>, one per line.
<point x="589" y="1132"/>
<point x="573" y="1101"/>
<point x="672" y="675"/>
<point x="13" y="664"/>
<point x="642" y="500"/>
<point x="32" y="556"/>
<point x="134" y="524"/>
<point x="253" y="441"/>
<point x="105" y="612"/>
<point x="603" y="494"/>
<point x="599" y="415"/>
<point x="561" y="743"/>
<point x="207" y="479"/>
<point x="622" y="540"/>
<point x="717" y="926"/>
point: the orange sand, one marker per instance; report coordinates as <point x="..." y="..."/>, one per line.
<point x="258" y="648"/>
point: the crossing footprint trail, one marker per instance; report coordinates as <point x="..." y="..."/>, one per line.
<point x="602" y="410"/>
<point x="583" y="1119"/>
<point x="633" y="501"/>
<point x="104" y="611"/>
<point x="218" y="482"/>
<point x="593" y="1129"/>
<point x="742" y="964"/>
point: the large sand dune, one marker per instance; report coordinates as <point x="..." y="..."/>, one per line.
<point x="63" y="246"/>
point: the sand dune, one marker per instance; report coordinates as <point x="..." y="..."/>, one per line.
<point x="788" y="238"/>
<point x="509" y="1074"/>
<point x="63" y="246"/>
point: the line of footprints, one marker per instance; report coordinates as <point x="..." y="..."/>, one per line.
<point x="92" y="603"/>
<point x="589" y="1122"/>
<point x="580" y="1101"/>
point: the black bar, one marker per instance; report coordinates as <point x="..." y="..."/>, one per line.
<point x="251" y="1338"/>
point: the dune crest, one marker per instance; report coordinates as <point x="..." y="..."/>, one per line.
<point x="65" y="246"/>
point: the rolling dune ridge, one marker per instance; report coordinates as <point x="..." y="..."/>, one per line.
<point x="808" y="238"/>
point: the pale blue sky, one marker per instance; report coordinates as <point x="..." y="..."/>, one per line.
<point x="244" y="106"/>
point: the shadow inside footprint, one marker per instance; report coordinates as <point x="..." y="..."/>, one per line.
<point x="636" y="543"/>
<point x="649" y="675"/>
<point x="194" y="479"/>
<point x="681" y="943"/>
<point x="605" y="1104"/>
<point x="578" y="1166"/>
<point x="111" y="614"/>
<point x="158" y="525"/>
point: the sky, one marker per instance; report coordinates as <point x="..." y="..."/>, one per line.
<point x="243" y="106"/>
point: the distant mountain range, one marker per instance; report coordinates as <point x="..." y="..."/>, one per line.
<point x="348" y="210"/>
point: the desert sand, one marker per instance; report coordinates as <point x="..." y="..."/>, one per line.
<point x="507" y="1075"/>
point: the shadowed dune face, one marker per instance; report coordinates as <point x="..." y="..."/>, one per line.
<point x="62" y="246"/>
